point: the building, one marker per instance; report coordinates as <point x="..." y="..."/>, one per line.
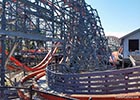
<point x="113" y="42"/>
<point x="131" y="43"/>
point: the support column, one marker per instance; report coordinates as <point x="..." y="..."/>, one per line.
<point x="3" y="56"/>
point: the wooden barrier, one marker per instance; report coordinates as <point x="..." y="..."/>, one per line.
<point x="105" y="82"/>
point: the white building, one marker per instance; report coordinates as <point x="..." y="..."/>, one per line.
<point x="113" y="42"/>
<point x="131" y="43"/>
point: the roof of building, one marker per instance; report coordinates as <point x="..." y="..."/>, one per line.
<point x="110" y="36"/>
<point x="131" y="33"/>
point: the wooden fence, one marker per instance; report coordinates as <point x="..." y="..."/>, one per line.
<point x="105" y="82"/>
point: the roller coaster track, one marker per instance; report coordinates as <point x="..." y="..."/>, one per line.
<point x="45" y="16"/>
<point x="44" y="95"/>
<point x="39" y="66"/>
<point x="72" y="24"/>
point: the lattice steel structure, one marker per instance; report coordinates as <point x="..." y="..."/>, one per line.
<point x="73" y="24"/>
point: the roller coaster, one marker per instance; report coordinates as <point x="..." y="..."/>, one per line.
<point x="62" y="40"/>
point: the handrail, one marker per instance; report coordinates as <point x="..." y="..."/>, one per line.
<point x="102" y="82"/>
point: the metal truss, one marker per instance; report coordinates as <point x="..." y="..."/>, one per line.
<point x="73" y="23"/>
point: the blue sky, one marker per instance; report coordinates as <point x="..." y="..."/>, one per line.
<point x="118" y="17"/>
